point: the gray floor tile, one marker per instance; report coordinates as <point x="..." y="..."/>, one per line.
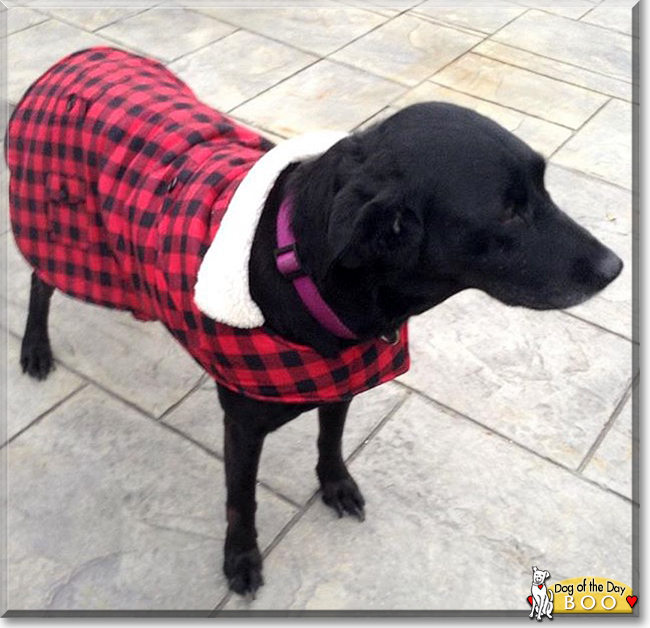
<point x="539" y="378"/>
<point x="447" y="512"/>
<point x="543" y="136"/>
<point x="606" y="211"/>
<point x="32" y="51"/>
<point x="28" y="398"/>
<point x="556" y="69"/>
<point x="326" y="95"/>
<point x="485" y="20"/>
<point x="107" y="510"/>
<point x="238" y="67"/>
<point x="574" y="9"/>
<point x="611" y="464"/>
<point x="543" y="97"/>
<point x="603" y="147"/>
<point x="407" y="49"/>
<point x="290" y="454"/>
<point x="582" y="44"/>
<point x="143" y="32"/>
<point x="20" y="19"/>
<point x="387" y="8"/>
<point x="92" y="19"/>
<point x="609" y="17"/>
<point x="317" y="30"/>
<point x="139" y="361"/>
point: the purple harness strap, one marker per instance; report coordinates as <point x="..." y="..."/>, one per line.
<point x="287" y="262"/>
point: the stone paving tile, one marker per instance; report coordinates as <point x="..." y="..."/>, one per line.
<point x="326" y="95"/>
<point x="520" y="89"/>
<point x="28" y="398"/>
<point x="555" y="69"/>
<point x="139" y="361"/>
<point x="575" y="9"/>
<point x="615" y="18"/>
<point x="582" y="44"/>
<point x="32" y="51"/>
<point x="230" y="71"/>
<point x="92" y="19"/>
<point x="143" y="32"/>
<point x="389" y="8"/>
<point x="485" y="20"/>
<point x="543" y="136"/>
<point x="406" y="49"/>
<point x="134" y="514"/>
<point x="603" y="147"/>
<point x="20" y="19"/>
<point x="290" y="454"/>
<point x="538" y="378"/>
<point x="317" y="30"/>
<point x="446" y="513"/>
<point x="611" y="464"/>
<point x="606" y="211"/>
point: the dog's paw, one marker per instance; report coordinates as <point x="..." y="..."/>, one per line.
<point x="244" y="572"/>
<point x="344" y="496"/>
<point x="36" y="359"/>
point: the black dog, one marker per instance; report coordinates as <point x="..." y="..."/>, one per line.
<point x="391" y="221"/>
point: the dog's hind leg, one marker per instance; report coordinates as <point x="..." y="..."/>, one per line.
<point x="35" y="353"/>
<point x="340" y="491"/>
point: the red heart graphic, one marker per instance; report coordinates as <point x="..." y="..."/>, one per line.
<point x="539" y="586"/>
<point x="530" y="600"/>
<point x="631" y="600"/>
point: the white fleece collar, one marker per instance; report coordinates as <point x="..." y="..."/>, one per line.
<point x="222" y="287"/>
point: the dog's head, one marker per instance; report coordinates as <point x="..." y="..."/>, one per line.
<point x="438" y="198"/>
<point x="539" y="576"/>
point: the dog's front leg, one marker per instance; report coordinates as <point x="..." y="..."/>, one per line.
<point x="340" y="491"/>
<point x="242" y="558"/>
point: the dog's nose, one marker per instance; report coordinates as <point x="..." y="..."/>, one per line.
<point x="609" y="267"/>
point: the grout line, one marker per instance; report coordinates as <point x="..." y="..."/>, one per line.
<point x="43" y="415"/>
<point x="608" y="425"/>
<point x="508" y="106"/>
<point x="22" y="30"/>
<point x="149" y="415"/>
<point x="446" y="65"/>
<point x="90" y="380"/>
<point x="279" y="537"/>
<point x="455" y="413"/>
<point x="573" y="65"/>
<point x="317" y="59"/>
<point x="44" y="11"/>
<point x="512" y="64"/>
<point x="141" y="51"/>
<point x="580" y="128"/>
<point x="599" y="326"/>
<point x="375" y="430"/>
<point x="591" y="175"/>
<point x="182" y="399"/>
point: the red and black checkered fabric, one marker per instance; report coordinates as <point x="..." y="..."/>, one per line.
<point x="120" y="178"/>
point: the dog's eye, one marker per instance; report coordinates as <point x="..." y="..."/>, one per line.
<point x="511" y="213"/>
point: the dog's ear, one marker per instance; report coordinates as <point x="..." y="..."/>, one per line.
<point x="372" y="229"/>
<point x="534" y="569"/>
<point x="547" y="575"/>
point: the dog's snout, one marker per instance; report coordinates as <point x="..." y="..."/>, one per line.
<point x="596" y="273"/>
<point x="609" y="267"/>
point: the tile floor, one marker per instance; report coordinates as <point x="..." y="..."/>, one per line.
<point x="507" y="445"/>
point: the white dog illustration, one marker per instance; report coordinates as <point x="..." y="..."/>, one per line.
<point x="541" y="601"/>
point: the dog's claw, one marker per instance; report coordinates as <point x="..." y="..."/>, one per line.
<point x="345" y="498"/>
<point x="36" y="360"/>
<point x="244" y="573"/>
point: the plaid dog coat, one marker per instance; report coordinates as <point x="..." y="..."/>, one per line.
<point x="120" y="179"/>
